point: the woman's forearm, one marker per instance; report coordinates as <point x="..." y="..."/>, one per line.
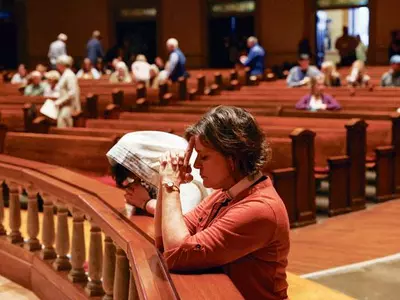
<point x="157" y="221"/>
<point x="174" y="230"/>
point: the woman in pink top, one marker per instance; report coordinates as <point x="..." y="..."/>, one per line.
<point x="243" y="226"/>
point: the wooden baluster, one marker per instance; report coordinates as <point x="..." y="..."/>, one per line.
<point x="94" y="286"/>
<point x="133" y="293"/>
<point x="108" y="268"/>
<point x="48" y="231"/>
<point x="121" y="282"/>
<point x="78" y="255"/>
<point x="2" y="229"/>
<point x="15" y="215"/>
<point x="62" y="240"/>
<point x="33" y="243"/>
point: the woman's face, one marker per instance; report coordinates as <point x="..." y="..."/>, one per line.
<point x="216" y="170"/>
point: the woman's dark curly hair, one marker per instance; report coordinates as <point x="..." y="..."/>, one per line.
<point x="234" y="132"/>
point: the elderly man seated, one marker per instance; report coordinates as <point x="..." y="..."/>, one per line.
<point x="392" y="77"/>
<point x="301" y="74"/>
<point x="36" y="87"/>
<point x="88" y="71"/>
<point x="255" y="59"/>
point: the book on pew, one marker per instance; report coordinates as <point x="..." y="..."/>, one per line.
<point x="49" y="109"/>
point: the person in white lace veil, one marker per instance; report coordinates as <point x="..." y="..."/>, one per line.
<point x="135" y="166"/>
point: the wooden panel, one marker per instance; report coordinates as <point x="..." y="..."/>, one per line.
<point x="15" y="263"/>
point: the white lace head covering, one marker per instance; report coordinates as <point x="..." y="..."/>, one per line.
<point x="140" y="151"/>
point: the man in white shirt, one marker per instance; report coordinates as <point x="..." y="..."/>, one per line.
<point x="57" y="48"/>
<point x="141" y="69"/>
<point x="68" y="102"/>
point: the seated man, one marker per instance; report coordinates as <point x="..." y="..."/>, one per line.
<point x="317" y="100"/>
<point x="255" y="59"/>
<point x="392" y="77"/>
<point x="141" y="69"/>
<point x="177" y="60"/>
<point x="87" y="71"/>
<point x="36" y="87"/>
<point x="358" y="75"/>
<point x="21" y="76"/>
<point x="301" y="74"/>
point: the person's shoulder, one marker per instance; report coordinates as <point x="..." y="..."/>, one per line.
<point x="293" y="69"/>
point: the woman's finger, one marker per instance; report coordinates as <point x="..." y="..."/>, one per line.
<point x="189" y="151"/>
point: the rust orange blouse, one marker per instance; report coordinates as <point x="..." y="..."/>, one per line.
<point x="248" y="236"/>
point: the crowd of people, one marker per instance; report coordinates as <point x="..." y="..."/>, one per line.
<point x="305" y="74"/>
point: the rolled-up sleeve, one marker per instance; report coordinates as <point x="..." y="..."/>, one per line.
<point x="243" y="229"/>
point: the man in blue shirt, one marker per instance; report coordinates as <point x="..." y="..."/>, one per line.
<point x="255" y="59"/>
<point x="94" y="48"/>
<point x="176" y="62"/>
<point x="300" y="75"/>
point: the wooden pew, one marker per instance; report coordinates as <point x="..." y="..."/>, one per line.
<point x="86" y="154"/>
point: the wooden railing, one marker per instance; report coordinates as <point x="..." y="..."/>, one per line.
<point x="123" y="265"/>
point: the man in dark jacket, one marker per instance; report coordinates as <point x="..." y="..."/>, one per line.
<point x="94" y="48"/>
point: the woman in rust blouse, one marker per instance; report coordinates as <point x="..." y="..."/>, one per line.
<point x="243" y="226"/>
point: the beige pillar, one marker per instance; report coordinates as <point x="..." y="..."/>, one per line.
<point x="94" y="286"/>
<point x="121" y="282"/>
<point x="108" y="268"/>
<point x="78" y="255"/>
<point x="15" y="214"/>
<point x="33" y="243"/>
<point x="48" y="231"/>
<point x="62" y="240"/>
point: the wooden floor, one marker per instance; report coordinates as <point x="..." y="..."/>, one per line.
<point x="12" y="291"/>
<point x="346" y="239"/>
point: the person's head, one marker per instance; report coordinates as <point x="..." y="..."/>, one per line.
<point x="62" y="37"/>
<point x="121" y="68"/>
<point x="42" y="69"/>
<point x="317" y="85"/>
<point x="358" y="38"/>
<point x="87" y="65"/>
<point x="327" y="67"/>
<point x="345" y="31"/>
<point x="304" y="61"/>
<point x="52" y="77"/>
<point x="114" y="63"/>
<point x="141" y="57"/>
<point x="230" y="146"/>
<point x="96" y="34"/>
<point x="136" y="157"/>
<point x="251" y="41"/>
<point x="36" y="77"/>
<point x="172" y="44"/>
<point x="395" y="63"/>
<point x="22" y="70"/>
<point x="159" y="62"/>
<point x="63" y="62"/>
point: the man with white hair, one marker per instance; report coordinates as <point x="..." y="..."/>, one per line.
<point x="177" y="60"/>
<point x="68" y="102"/>
<point x="94" y="48"/>
<point x="255" y="59"/>
<point x="57" y="48"/>
<point x="36" y="87"/>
